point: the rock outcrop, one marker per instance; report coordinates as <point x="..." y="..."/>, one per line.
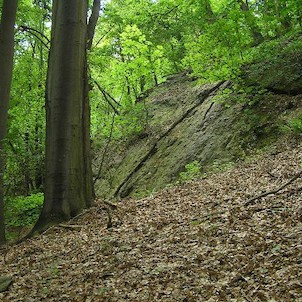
<point x="188" y="122"/>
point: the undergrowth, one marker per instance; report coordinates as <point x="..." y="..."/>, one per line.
<point x="22" y="212"/>
<point x="293" y="126"/>
<point x="192" y="171"/>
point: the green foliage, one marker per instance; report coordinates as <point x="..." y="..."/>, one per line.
<point x="130" y="122"/>
<point x="238" y="93"/>
<point x="140" y="42"/>
<point x="24" y="146"/>
<point x="218" y="52"/>
<point x="192" y="171"/>
<point x="137" y="44"/>
<point x="293" y="126"/>
<point x="273" y="51"/>
<point x="143" y="193"/>
<point x="218" y="166"/>
<point x="23" y="211"/>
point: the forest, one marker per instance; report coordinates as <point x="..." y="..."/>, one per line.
<point x="95" y="94"/>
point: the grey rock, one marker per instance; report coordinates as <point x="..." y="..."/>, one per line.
<point x="5" y="282"/>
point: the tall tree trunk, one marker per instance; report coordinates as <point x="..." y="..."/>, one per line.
<point x="88" y="177"/>
<point x="8" y="19"/>
<point x="68" y="186"/>
<point x="86" y="102"/>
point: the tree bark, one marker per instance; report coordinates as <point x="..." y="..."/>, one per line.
<point x="86" y="102"/>
<point x="92" y="22"/>
<point x="68" y="186"/>
<point x="8" y="18"/>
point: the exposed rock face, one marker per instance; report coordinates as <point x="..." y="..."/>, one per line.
<point x="187" y="123"/>
<point x="281" y="74"/>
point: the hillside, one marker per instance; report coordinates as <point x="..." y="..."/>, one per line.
<point x="195" y="242"/>
<point x="214" y="125"/>
<point x="150" y="150"/>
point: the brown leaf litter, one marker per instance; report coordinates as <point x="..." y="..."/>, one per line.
<point x="196" y="242"/>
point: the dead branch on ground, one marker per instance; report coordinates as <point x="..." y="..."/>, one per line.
<point x="251" y="200"/>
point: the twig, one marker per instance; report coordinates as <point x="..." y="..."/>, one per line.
<point x="251" y="200"/>
<point x="36" y="34"/>
<point x="98" y="176"/>
<point x="102" y="37"/>
<point x="28" y="236"/>
<point x="70" y="226"/>
<point x="108" y="97"/>
<point x="271" y="174"/>
<point x="79" y="215"/>
<point x="30" y="29"/>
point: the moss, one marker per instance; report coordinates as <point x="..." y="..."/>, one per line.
<point x="277" y="66"/>
<point x="213" y="134"/>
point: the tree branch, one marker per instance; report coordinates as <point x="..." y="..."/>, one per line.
<point x="107" y="97"/>
<point x="35" y="33"/>
<point x="251" y="200"/>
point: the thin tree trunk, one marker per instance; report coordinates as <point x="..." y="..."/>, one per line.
<point x="8" y="18"/>
<point x="88" y="177"/>
<point x="86" y="104"/>
<point x="92" y="22"/>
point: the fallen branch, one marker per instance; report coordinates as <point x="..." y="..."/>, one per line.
<point x="70" y="226"/>
<point x="251" y="200"/>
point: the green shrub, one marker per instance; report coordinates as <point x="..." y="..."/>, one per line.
<point x="293" y="126"/>
<point x="218" y="166"/>
<point x="23" y="210"/>
<point x="192" y="171"/>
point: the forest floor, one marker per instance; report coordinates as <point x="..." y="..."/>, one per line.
<point x="196" y="242"/>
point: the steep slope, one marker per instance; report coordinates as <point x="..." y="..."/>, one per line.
<point x="187" y="121"/>
<point x="198" y="242"/>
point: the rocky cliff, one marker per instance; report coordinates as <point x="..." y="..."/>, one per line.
<point x="213" y="124"/>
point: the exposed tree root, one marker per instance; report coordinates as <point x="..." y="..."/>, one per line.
<point x="73" y="227"/>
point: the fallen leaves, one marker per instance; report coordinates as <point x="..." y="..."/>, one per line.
<point x="197" y="242"/>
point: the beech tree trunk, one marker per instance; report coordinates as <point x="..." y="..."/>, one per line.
<point x="8" y="18"/>
<point x="68" y="185"/>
